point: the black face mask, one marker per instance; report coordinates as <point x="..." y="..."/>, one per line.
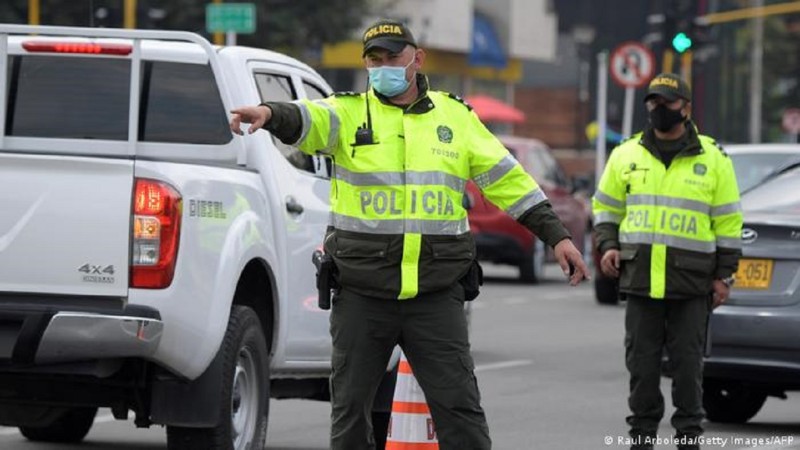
<point x="664" y="119"/>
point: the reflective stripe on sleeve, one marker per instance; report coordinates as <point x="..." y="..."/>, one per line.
<point x="607" y="217"/>
<point x="333" y="129"/>
<point x="527" y="202"/>
<point x="608" y="200"/>
<point x="728" y="208"/>
<point x="305" y="116"/>
<point x="495" y="173"/>
<point x="729" y="242"/>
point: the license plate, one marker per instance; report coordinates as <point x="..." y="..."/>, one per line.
<point x="754" y="274"/>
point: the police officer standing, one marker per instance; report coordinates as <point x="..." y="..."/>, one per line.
<point x="669" y="225"/>
<point x="399" y="235"/>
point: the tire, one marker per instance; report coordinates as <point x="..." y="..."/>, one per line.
<point x="606" y="290"/>
<point x="71" y="427"/>
<point x="245" y="385"/>
<point x="731" y="401"/>
<point x="531" y="270"/>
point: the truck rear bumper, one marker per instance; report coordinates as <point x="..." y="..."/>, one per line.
<point x="44" y="336"/>
<point x="74" y="336"/>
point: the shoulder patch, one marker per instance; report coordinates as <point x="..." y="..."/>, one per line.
<point x="458" y="99"/>
<point x="346" y="94"/>
<point x="716" y="145"/>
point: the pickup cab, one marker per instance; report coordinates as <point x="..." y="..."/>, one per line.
<point x="150" y="261"/>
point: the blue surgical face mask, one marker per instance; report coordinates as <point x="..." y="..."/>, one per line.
<point x="389" y="80"/>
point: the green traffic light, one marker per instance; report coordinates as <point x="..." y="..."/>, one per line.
<point x="681" y="42"/>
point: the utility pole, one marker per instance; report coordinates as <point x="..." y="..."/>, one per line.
<point x="756" y="72"/>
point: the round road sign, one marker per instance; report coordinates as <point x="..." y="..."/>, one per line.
<point x="632" y="65"/>
<point x="791" y="120"/>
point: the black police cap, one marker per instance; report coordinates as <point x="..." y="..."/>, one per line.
<point x="387" y="34"/>
<point x="669" y="86"/>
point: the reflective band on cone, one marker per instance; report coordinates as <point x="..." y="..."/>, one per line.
<point x="411" y="424"/>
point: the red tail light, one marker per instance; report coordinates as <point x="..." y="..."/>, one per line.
<point x="77" y="47"/>
<point x="157" y="209"/>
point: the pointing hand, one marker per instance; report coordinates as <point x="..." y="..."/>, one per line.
<point x="256" y="116"/>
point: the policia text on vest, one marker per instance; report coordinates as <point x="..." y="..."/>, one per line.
<point x="399" y="237"/>
<point x="668" y="224"/>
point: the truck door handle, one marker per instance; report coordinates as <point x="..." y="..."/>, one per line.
<point x="292" y="206"/>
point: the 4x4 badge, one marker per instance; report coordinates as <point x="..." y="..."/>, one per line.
<point x="445" y="134"/>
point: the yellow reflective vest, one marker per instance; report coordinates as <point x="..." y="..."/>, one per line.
<point x="679" y="227"/>
<point x="400" y="227"/>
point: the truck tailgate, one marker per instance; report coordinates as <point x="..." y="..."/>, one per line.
<point x="65" y="224"/>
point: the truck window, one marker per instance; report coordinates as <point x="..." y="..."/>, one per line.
<point x="181" y="103"/>
<point x="313" y="92"/>
<point x="278" y="88"/>
<point x="68" y="97"/>
<point x="275" y="88"/>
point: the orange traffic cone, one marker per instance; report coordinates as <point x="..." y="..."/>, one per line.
<point x="411" y="424"/>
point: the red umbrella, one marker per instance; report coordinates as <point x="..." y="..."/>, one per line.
<point x="490" y="109"/>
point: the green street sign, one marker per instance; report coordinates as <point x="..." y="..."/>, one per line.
<point x="236" y="17"/>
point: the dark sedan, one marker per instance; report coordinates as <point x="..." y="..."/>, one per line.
<point x="754" y="346"/>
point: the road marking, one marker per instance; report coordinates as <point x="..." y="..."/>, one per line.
<point x="503" y="365"/>
<point x="10" y="431"/>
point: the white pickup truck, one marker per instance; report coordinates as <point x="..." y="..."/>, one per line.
<point x="150" y="261"/>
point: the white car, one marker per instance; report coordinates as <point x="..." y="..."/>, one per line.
<point x="150" y="261"/>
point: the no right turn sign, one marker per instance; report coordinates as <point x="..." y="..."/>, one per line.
<point x="632" y="65"/>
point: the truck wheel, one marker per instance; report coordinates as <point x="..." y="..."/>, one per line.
<point x="730" y="401"/>
<point x="71" y="427"/>
<point x="245" y="392"/>
<point x="531" y="270"/>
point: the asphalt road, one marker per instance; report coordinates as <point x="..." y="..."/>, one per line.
<point x="550" y="367"/>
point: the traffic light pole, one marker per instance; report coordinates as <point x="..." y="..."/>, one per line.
<point x="602" y="98"/>
<point x="686" y="66"/>
<point x="667" y="61"/>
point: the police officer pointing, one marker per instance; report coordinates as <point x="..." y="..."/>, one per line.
<point x="669" y="225"/>
<point x="399" y="235"/>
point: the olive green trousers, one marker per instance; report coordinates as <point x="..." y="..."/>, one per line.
<point x="432" y="331"/>
<point x="679" y="327"/>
